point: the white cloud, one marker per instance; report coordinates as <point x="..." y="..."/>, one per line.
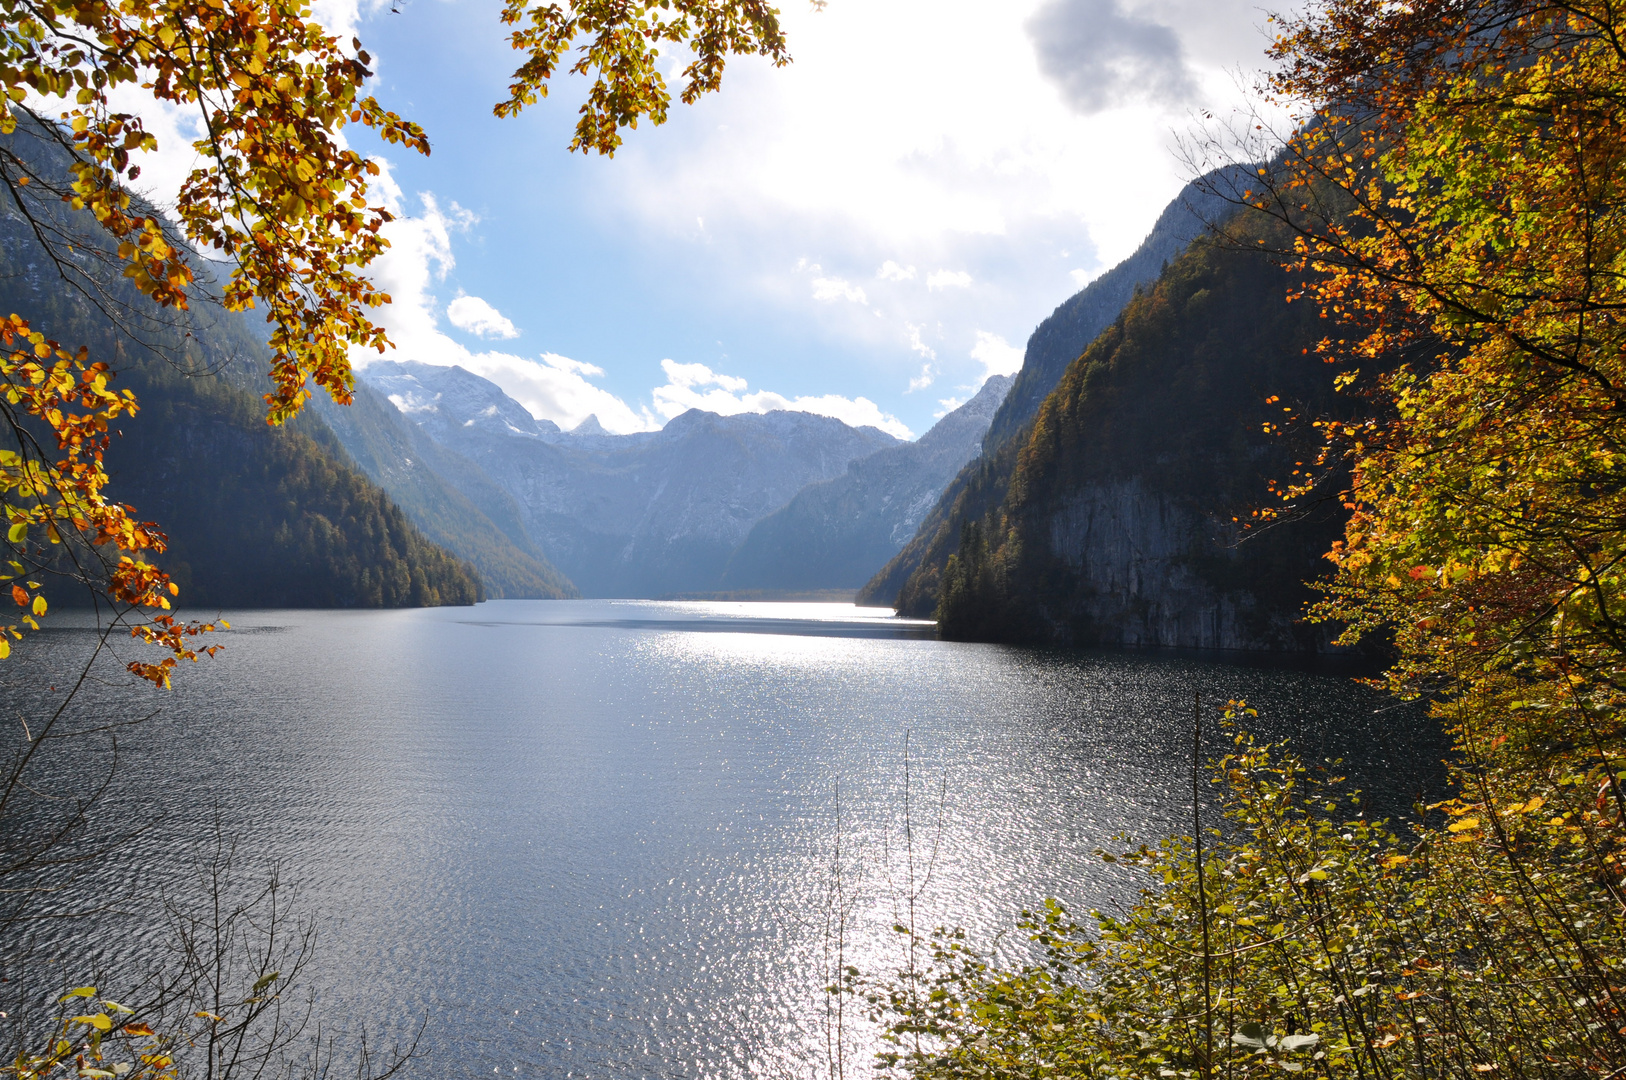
<point x="886" y="164"/>
<point x="948" y="279"/>
<point x="565" y="363"/>
<point x="997" y="356"/>
<point x="927" y="376"/>
<point x="696" y="386"/>
<point x="949" y="404"/>
<point x="834" y="288"/>
<point x="689" y="376"/>
<point x="1083" y="277"/>
<point x="474" y="315"/>
<point x="555" y="388"/>
<point x="919" y="346"/>
<point x="420" y="257"/>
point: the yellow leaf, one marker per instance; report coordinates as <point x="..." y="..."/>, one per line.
<point x="39" y="605"/>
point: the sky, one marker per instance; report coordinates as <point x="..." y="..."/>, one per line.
<point x="868" y="233"/>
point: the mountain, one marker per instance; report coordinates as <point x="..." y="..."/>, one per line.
<point x="1057" y="341"/>
<point x="835" y="533"/>
<point x="1118" y="516"/>
<point x="645" y="514"/>
<point x="266" y="517"/>
<point x="1052" y="346"/>
<point x="256" y="516"/>
<point x="447" y="496"/>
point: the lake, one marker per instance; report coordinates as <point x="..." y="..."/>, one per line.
<point x="610" y="838"/>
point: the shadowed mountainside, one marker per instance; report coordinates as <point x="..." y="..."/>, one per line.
<point x="1118" y="517"/>
<point x="256" y="516"/>
<point x="446" y="495"/>
<point x="1053" y="345"/>
<point x="835" y="534"/>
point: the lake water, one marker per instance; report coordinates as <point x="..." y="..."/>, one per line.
<point x="600" y="838"/>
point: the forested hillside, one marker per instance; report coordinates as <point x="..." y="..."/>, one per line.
<point x="1114" y="518"/>
<point x="255" y="515"/>
<point x="1052" y="346"/>
<point x="447" y="496"/>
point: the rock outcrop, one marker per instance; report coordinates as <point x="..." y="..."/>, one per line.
<point x="1120" y="515"/>
<point x="1134" y="556"/>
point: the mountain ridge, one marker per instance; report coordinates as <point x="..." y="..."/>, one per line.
<point x="1120" y="516"/>
<point x="646" y="514"/>
<point x="1054" y="344"/>
<point x="835" y="533"/>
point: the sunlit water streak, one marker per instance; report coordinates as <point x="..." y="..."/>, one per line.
<point x="598" y="839"/>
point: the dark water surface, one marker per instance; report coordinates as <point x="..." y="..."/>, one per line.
<point x="599" y="838"/>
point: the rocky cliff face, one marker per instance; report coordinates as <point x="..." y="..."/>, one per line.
<point x="836" y="533"/>
<point x="1119" y="517"/>
<point x="631" y="515"/>
<point x="1136" y="558"/>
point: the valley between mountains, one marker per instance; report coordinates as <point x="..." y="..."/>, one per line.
<point x="1091" y="499"/>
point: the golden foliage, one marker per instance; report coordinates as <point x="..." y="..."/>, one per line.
<point x="278" y="195"/>
<point x="47" y="501"/>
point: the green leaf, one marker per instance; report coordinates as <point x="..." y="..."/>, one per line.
<point x="1250" y="1035"/>
<point x="18" y="532"/>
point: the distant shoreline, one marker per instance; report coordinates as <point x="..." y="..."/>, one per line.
<point x="827" y="596"/>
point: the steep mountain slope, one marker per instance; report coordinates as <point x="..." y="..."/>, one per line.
<point x="256" y="516"/>
<point x="1052" y="346"/>
<point x="268" y="517"/>
<point x="1115" y="520"/>
<point x="628" y="515"/>
<point x="446" y="495"/>
<point x="836" y="533"/>
<point x="1057" y="341"/>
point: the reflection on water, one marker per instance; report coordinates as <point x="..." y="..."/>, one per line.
<point x="720" y="617"/>
<point x="599" y="839"/>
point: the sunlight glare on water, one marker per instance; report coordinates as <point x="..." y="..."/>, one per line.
<point x="600" y="838"/>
